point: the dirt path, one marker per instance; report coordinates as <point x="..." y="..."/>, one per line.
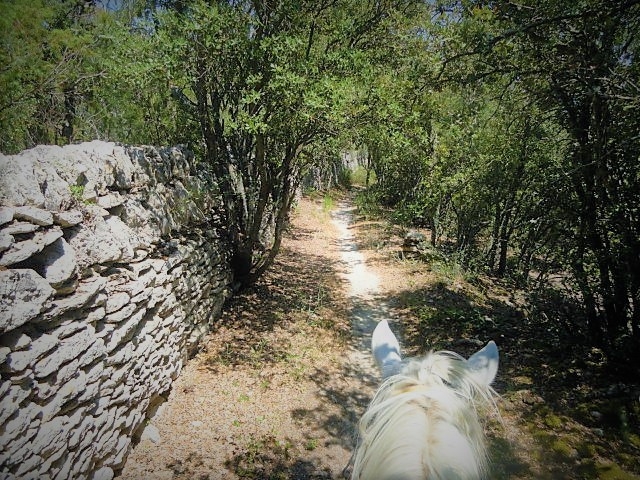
<point x="363" y="290"/>
<point x="281" y="382"/>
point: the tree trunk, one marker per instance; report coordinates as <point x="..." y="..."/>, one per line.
<point x="493" y="248"/>
<point x="69" y="113"/>
<point x="282" y="207"/>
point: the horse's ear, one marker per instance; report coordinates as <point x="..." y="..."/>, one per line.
<point x="484" y="363"/>
<point x="385" y="349"/>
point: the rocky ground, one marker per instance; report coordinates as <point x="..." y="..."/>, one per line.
<point x="280" y="383"/>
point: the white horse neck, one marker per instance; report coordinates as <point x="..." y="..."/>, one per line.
<point x="423" y="424"/>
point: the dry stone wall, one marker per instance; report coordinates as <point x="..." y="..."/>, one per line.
<point x="112" y="268"/>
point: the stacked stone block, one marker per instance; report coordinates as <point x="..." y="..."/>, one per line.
<point x="112" y="268"/>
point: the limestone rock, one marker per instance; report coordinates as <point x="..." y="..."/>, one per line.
<point x="81" y="431"/>
<point x="59" y="265"/>
<point x="20" y="228"/>
<point x="48" y="435"/>
<point x="141" y="221"/>
<point x="34" y="215"/>
<point x="6" y="215"/>
<point x="105" y="473"/>
<point x="56" y="190"/>
<point x="13" y="397"/>
<point x="110" y="200"/>
<point x="18" y="182"/>
<point x="90" y="193"/>
<point x="82" y="369"/>
<point x="86" y="290"/>
<point x="69" y="328"/>
<point x="415" y="245"/>
<point x="16" y="340"/>
<point x="6" y="241"/>
<point x="94" y="164"/>
<point x="116" y="301"/>
<point x="23" y="296"/>
<point x="28" y="467"/>
<point x="44" y="174"/>
<point x="69" y="372"/>
<point x="123" y="236"/>
<point x="4" y="353"/>
<point x="17" y="361"/>
<point x="19" y="423"/>
<point x="21" y="359"/>
<point x="63" y="393"/>
<point x="21" y="251"/>
<point x="121" y="314"/>
<point x="124" y="171"/>
<point x="151" y="433"/>
<point x="125" y="331"/>
<point x="122" y="449"/>
<point x="68" y="218"/>
<point x="95" y="351"/>
<point x="94" y="243"/>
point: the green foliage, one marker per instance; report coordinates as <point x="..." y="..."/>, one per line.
<point x="45" y="61"/>
<point x="327" y="203"/>
<point x="73" y="72"/>
<point x="262" y="91"/>
<point x="362" y="177"/>
<point x="584" y="64"/>
<point x="267" y="85"/>
<point x="509" y="135"/>
<point x="77" y="191"/>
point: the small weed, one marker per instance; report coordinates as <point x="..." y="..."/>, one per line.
<point x="553" y="421"/>
<point x="328" y="203"/>
<point x="587" y="450"/>
<point x="265" y="457"/>
<point x="311" y="444"/>
<point x="316" y="320"/>
<point x="225" y="356"/>
<point x="284" y="446"/>
<point x="316" y="300"/>
<point x="448" y="270"/>
<point x="562" y="448"/>
<point x="265" y="384"/>
<point x="259" y="350"/>
<point x="77" y="192"/>
<point x="298" y="372"/>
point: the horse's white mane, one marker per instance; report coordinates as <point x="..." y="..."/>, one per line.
<point x="422" y="422"/>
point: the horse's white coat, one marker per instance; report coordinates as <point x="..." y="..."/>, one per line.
<point x="484" y="363"/>
<point x="386" y="349"/>
<point x="422" y="422"/>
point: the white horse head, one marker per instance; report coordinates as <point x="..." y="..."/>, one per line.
<point x="423" y="422"/>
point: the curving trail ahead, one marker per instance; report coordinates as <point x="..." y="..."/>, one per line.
<point x="368" y="307"/>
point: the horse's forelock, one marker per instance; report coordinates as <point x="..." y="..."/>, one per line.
<point x="425" y="415"/>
